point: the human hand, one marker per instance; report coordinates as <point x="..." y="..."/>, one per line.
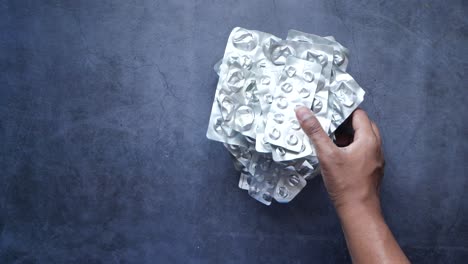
<point x="352" y="173"/>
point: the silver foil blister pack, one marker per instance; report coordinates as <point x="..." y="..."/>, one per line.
<point x="340" y="53"/>
<point x="297" y="84"/>
<point x="262" y="79"/>
<point x="345" y="95"/>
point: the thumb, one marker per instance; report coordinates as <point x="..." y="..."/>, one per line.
<point x="314" y="130"/>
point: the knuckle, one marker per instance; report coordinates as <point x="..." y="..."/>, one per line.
<point x="376" y="127"/>
<point x="333" y="154"/>
<point x="361" y="113"/>
<point x="372" y="142"/>
<point x="312" y="126"/>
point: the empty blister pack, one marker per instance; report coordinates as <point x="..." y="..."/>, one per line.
<point x="279" y="154"/>
<point x="340" y="53"/>
<point x="320" y="107"/>
<point x="345" y="96"/>
<point x="237" y="100"/>
<point x="219" y="130"/>
<point x="262" y="79"/>
<point x="290" y="183"/>
<point x="296" y="87"/>
<point x="279" y="51"/>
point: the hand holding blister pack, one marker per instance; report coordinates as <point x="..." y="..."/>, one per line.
<point x="262" y="79"/>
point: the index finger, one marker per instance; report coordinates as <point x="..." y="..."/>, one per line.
<point x="362" y="125"/>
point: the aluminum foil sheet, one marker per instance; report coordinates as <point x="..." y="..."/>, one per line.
<point x="262" y="79"/>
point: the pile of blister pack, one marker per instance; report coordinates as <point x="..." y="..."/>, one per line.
<point x="262" y="79"/>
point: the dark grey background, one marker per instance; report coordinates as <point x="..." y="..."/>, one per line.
<point x="104" y="107"/>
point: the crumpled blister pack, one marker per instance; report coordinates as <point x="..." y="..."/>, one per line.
<point x="262" y="79"/>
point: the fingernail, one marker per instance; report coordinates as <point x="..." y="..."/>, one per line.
<point x="303" y="113"/>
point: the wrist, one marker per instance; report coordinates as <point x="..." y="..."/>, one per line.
<point x="369" y="205"/>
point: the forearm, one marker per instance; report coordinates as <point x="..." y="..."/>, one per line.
<point x="368" y="237"/>
<point x="352" y="175"/>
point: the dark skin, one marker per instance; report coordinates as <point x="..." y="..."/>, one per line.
<point x="352" y="171"/>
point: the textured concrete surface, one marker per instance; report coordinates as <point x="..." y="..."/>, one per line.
<point x="103" y="112"/>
